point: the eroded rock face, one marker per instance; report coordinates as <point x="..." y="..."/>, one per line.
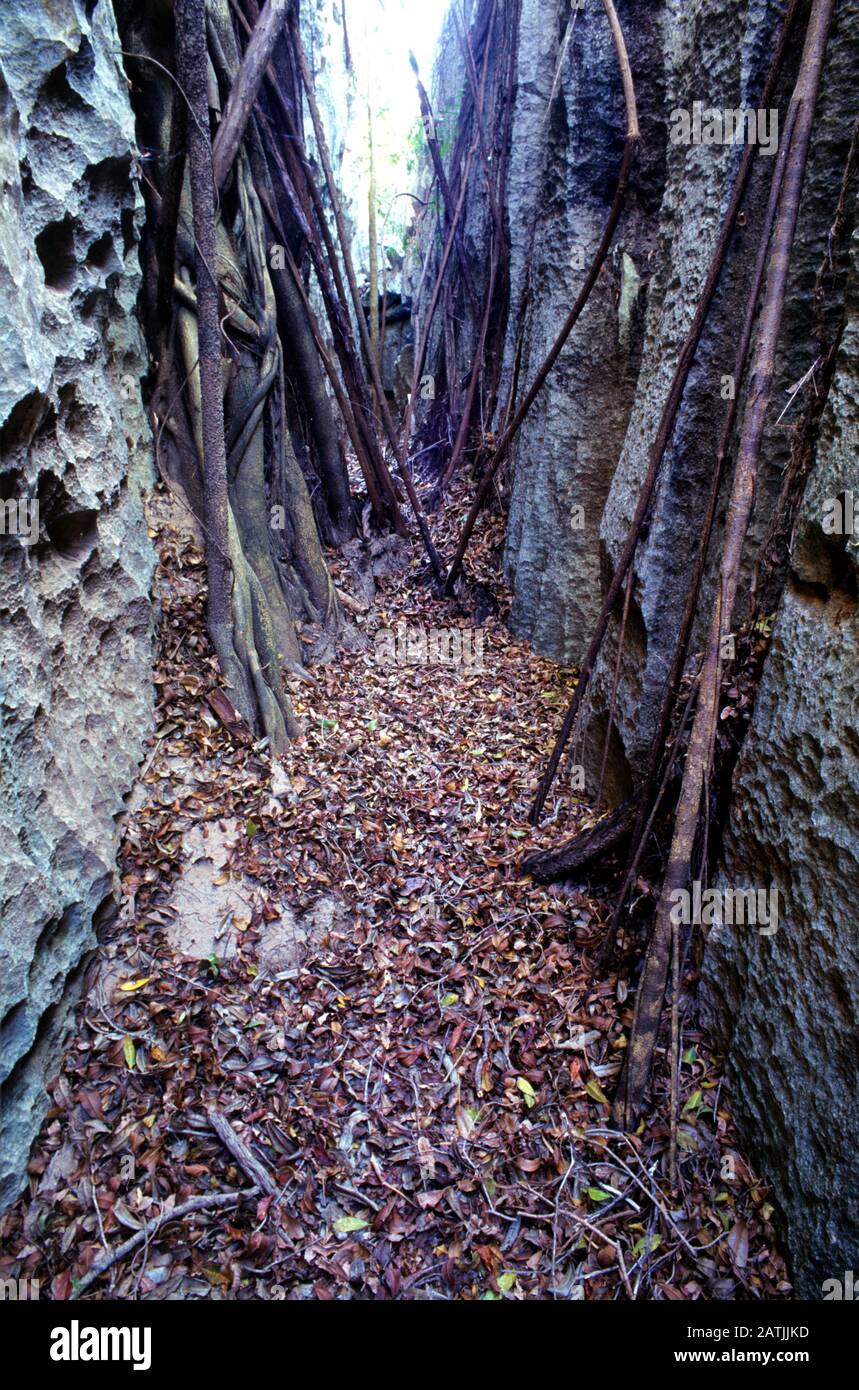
<point x="782" y="1007"/>
<point x="565" y="155"/>
<point x="75" y="561"/>
<point x="566" y="146"/>
<point x="719" y="58"/>
<point x="786" y="1008"/>
<point x="583" y="450"/>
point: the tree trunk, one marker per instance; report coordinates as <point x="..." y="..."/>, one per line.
<point x="372" y="243"/>
<point x="192" y="69"/>
<point x="266" y="570"/>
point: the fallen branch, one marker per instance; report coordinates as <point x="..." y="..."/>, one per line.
<point x="247" y="1161"/>
<point x="212" y="1201"/>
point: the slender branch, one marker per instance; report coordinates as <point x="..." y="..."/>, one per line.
<point x="209" y="1202"/>
<point x="476" y="373"/>
<point x="297" y="178"/>
<point x="444" y="187"/>
<point x="625" y="70"/>
<point x="363" y="328"/>
<point x="646" y="805"/>
<point x="243" y="93"/>
<point x="500" y="253"/>
<point x="423" y="336"/>
<point x="477" y="97"/>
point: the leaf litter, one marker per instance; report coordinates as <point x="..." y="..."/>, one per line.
<point x="405" y="1036"/>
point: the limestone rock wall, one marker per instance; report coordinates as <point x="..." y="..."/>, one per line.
<point x="566" y="146"/>
<point x="720" y="59"/>
<point x="785" y="1008"/>
<point x="565" y="153"/>
<point x="75" y="561"/>
<point x="582" y="452"/>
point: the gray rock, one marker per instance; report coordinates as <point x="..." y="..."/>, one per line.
<point x="721" y="62"/>
<point x="565" y="156"/>
<point x="583" y="450"/>
<point x="785" y="1008"/>
<point x="75" y="641"/>
<point x="566" y="146"/>
<point x="782" y="1008"/>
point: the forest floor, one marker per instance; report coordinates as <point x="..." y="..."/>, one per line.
<point x="406" y="1032"/>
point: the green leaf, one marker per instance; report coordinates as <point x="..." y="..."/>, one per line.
<point x="693" y="1102"/>
<point x="129" y="1051"/>
<point x="506" y="1281"/>
<point x="690" y="1056"/>
<point x="527" y="1090"/>
<point x="448" y="1000"/>
<point x="595" y="1092"/>
<point x="251" y="829"/>
<point x="646" y="1243"/>
<point x="349" y="1223"/>
<point x="596" y="1194"/>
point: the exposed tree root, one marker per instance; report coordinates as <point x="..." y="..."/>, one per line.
<point x="608" y="834"/>
<point x="227" y="408"/>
